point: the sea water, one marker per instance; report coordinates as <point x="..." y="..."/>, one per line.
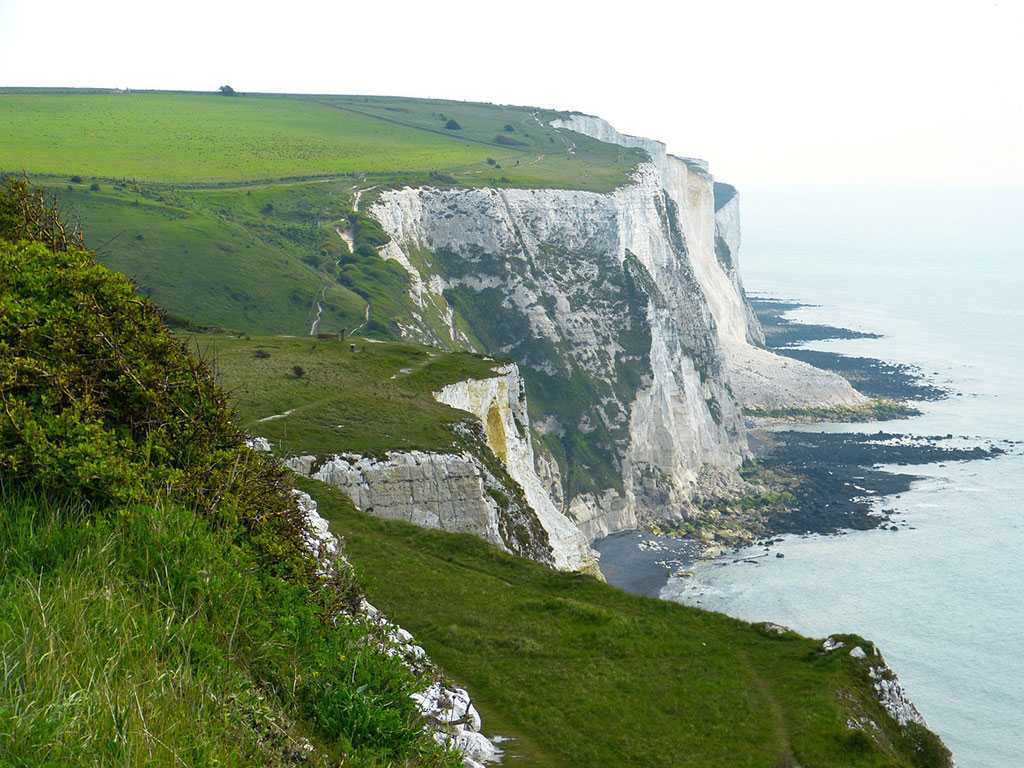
<point x="941" y="274"/>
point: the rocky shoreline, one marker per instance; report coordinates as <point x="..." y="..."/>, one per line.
<point x="839" y="487"/>
<point x="869" y="376"/>
<point x="835" y="478"/>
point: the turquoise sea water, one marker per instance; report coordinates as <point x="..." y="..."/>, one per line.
<point x="941" y="274"/>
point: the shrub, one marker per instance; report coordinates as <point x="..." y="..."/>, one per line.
<point x="101" y="402"/>
<point x="76" y="179"/>
<point x="452" y="125"/>
<point x="508" y="141"/>
<point x="491" y="161"/>
<point x="261" y="354"/>
<point x="298" y="371"/>
<point x="509" y="128"/>
<point x="94" y="187"/>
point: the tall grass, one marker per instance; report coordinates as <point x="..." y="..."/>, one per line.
<point x="140" y="637"/>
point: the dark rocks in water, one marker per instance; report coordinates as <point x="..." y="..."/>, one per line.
<point x="871" y="377"/>
<point x="781" y="332"/>
<point x="779" y="555"/>
<point x="839" y="476"/>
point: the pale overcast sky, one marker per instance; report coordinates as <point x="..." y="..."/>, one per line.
<point x="876" y="91"/>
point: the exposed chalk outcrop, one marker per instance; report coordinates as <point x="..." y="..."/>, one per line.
<point x="500" y="404"/>
<point x="448" y="710"/>
<point x="451" y="491"/>
<point x="888" y="689"/>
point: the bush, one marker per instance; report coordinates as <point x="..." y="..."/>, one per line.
<point x="508" y="141"/>
<point x="452" y="125"/>
<point x="76" y="179"/>
<point x="104" y="404"/>
<point x="298" y="371"/>
<point x="94" y="187"/>
<point x="169" y="560"/>
<point x="509" y="128"/>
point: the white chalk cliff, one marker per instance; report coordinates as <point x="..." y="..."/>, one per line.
<point x="500" y="405"/>
<point x="627" y="315"/>
<point x="507" y="504"/>
<point x="760" y="379"/>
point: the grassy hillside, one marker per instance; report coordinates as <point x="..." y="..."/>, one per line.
<point x="368" y="401"/>
<point x="196" y="138"/>
<point x="579" y="673"/>
<point x="226" y="210"/>
<point x="159" y="604"/>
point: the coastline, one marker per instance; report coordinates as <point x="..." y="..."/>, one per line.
<point x="840" y="483"/>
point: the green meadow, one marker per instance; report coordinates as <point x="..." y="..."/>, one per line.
<point x="226" y="211"/>
<point x="578" y="673"/>
<point x="368" y="401"/>
<point x="187" y="138"/>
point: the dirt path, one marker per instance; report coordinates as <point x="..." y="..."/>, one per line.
<point x="785" y="759"/>
<point x="365" y="321"/>
<point x="359" y="194"/>
<point x="346" y="235"/>
<point x="319" y="312"/>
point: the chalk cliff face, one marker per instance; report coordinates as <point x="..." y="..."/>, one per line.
<point x="451" y="491"/>
<point x="759" y="379"/>
<point x="500" y="405"/>
<point x="490" y="488"/>
<point x="627" y="315"/>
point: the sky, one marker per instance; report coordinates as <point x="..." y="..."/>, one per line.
<point x="773" y="92"/>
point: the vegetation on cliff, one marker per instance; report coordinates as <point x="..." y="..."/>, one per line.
<point x="580" y="673"/>
<point x="158" y="604"/>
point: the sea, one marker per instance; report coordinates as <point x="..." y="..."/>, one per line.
<point x="940" y="273"/>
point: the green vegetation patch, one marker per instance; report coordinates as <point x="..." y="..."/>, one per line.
<point x="580" y="673"/>
<point x="375" y="399"/>
<point x="878" y="409"/>
<point x="140" y="636"/>
<point x="174" y="137"/>
<point x="189" y="137"/>
<point x="158" y="602"/>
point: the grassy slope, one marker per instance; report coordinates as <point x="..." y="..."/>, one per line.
<point x="213" y="260"/>
<point x="375" y="399"/>
<point x="197" y="138"/>
<point x="159" y="605"/>
<point x="583" y="674"/>
<point x="139" y="636"/>
<point x="579" y="673"/>
<point x="190" y="138"/>
<point x="225" y="209"/>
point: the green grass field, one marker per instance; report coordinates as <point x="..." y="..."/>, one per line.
<point x="370" y="401"/>
<point x="225" y="210"/>
<point x="200" y="138"/>
<point x="583" y="674"/>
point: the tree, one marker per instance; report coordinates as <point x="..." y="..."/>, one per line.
<point x="227" y="90"/>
